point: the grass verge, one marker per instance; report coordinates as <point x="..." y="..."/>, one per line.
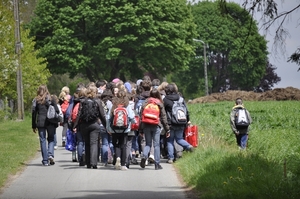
<point x="18" y="145"/>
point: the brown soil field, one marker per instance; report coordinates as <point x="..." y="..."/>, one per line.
<point x="277" y="94"/>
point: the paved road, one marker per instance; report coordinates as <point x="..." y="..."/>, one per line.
<point x="66" y="179"/>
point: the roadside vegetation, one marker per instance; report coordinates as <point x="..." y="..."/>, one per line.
<point x="18" y="145"/>
<point x="269" y="168"/>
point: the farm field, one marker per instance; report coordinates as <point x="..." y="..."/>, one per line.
<point x="269" y="168"/>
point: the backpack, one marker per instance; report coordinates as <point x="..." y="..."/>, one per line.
<point x="75" y="112"/>
<point x="89" y="110"/>
<point x="179" y="112"/>
<point x="139" y="105"/>
<point x="150" y="114"/>
<point x="52" y="116"/>
<point x="119" y="121"/>
<point x="241" y="118"/>
<point x="136" y="124"/>
<point x="64" y="106"/>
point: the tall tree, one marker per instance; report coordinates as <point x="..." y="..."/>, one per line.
<point x="105" y="39"/>
<point x="34" y="69"/>
<point x="270" y="78"/>
<point x="232" y="62"/>
<point x="268" y="9"/>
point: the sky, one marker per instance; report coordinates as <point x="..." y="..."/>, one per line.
<point x="286" y="70"/>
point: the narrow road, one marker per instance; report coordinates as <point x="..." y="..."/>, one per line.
<point x="66" y="179"/>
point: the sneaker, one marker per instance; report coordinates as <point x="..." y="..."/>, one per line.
<point x="158" y="167"/>
<point x="191" y="149"/>
<point x="134" y="161"/>
<point x="55" y="147"/>
<point x="45" y="164"/>
<point x="51" y="160"/>
<point x="81" y="164"/>
<point x="123" y="168"/>
<point x="118" y="163"/>
<point x="63" y="144"/>
<point x="146" y="163"/>
<point x="170" y="161"/>
<point x="151" y="159"/>
<point x="143" y="163"/>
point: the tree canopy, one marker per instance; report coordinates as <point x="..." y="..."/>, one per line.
<point x="232" y="62"/>
<point x="270" y="15"/>
<point x="107" y="39"/>
<point x="33" y="69"/>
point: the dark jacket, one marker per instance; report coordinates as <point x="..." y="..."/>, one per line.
<point x="168" y="103"/>
<point x="102" y="115"/>
<point x="39" y="113"/>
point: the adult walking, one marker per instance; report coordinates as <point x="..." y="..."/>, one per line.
<point x="90" y="114"/>
<point x="152" y="123"/>
<point x="177" y="125"/>
<point x="240" y="121"/>
<point x="40" y="105"/>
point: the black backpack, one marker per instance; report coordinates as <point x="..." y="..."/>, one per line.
<point x="241" y="118"/>
<point x="89" y="110"/>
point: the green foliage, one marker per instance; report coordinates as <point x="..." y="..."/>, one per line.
<point x="33" y="69"/>
<point x="269" y="168"/>
<point x="236" y="52"/>
<point x="106" y="39"/>
<point x="18" y="144"/>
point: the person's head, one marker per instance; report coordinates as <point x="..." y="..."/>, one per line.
<point x="238" y="101"/>
<point x="115" y="91"/>
<point x="106" y="95"/>
<point x="162" y="86"/>
<point x="115" y="81"/>
<point x="127" y="87"/>
<point x="41" y="94"/>
<point x="147" y="77"/>
<point x="91" y="91"/>
<point x="82" y="92"/>
<point x="155" y="94"/>
<point x="155" y="83"/>
<point x="78" y="88"/>
<point x="66" y="90"/>
<point x="101" y="85"/>
<point x="171" y="89"/>
<point x="146" y="85"/>
<point x="54" y="98"/>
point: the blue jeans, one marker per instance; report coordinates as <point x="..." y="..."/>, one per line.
<point x="80" y="145"/>
<point x="152" y="133"/>
<point x="106" y="144"/>
<point x="176" y="133"/>
<point x="135" y="145"/>
<point x="241" y="140"/>
<point x="47" y="151"/>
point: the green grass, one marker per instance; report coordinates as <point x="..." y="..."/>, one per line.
<point x="18" y="144"/>
<point x="269" y="168"/>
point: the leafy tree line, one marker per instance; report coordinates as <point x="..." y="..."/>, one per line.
<point x="34" y="69"/>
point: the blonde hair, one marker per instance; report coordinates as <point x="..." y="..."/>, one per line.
<point x="162" y="86"/>
<point x="65" y="91"/>
<point x="41" y="94"/>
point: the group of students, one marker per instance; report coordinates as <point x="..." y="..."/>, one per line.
<point x="100" y="108"/>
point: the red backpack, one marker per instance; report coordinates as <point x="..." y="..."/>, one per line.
<point x="135" y="126"/>
<point x="75" y="112"/>
<point x="119" y="122"/>
<point x="150" y="114"/>
<point x="64" y="106"/>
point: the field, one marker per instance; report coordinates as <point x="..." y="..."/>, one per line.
<point x="269" y="168"/>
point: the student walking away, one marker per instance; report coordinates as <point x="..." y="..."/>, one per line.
<point x="106" y="145"/>
<point x="43" y="124"/>
<point x="64" y="101"/>
<point x="121" y="116"/>
<point x="153" y="118"/>
<point x="79" y="97"/>
<point x="90" y="115"/>
<point x="178" y="119"/>
<point x="240" y="121"/>
<point x="60" y="117"/>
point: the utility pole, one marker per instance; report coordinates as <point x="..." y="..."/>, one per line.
<point x="18" y="46"/>
<point x="205" y="66"/>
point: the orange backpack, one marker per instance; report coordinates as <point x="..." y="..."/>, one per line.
<point x="150" y="114"/>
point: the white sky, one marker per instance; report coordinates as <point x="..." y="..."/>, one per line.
<point x="286" y="70"/>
